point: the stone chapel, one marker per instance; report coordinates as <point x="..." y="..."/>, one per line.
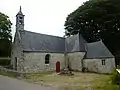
<point x="34" y="52"/>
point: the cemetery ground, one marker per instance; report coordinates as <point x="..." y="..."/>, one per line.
<point x="79" y="81"/>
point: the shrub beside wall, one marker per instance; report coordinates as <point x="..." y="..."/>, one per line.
<point x="4" y="62"/>
<point x="116" y="77"/>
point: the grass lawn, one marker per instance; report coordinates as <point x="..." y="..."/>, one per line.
<point x="80" y="81"/>
<point x="7" y="74"/>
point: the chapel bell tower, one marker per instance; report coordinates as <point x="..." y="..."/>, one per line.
<point x="20" y="20"/>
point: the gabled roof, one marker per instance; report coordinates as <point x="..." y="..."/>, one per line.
<point x="31" y="41"/>
<point x="97" y="50"/>
<point x="36" y="42"/>
<point x="75" y="43"/>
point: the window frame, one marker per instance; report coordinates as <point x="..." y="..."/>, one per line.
<point x="103" y="62"/>
<point x="47" y="59"/>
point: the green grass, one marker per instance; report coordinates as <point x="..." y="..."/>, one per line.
<point x="111" y="87"/>
<point x="80" y="81"/>
<point x="104" y="83"/>
<point x="7" y="74"/>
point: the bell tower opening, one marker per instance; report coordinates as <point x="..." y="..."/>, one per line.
<point x="20" y="20"/>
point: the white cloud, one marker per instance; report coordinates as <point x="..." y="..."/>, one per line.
<point x="43" y="16"/>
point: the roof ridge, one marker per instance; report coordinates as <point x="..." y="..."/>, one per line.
<point x="41" y="34"/>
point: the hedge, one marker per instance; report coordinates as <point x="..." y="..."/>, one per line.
<point x="116" y="77"/>
<point x="4" y="62"/>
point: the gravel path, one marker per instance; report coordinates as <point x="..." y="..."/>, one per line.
<point x="7" y="83"/>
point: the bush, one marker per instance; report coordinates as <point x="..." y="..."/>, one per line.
<point x="116" y="77"/>
<point x="4" y="62"/>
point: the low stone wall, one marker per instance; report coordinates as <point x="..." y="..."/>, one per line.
<point x="12" y="72"/>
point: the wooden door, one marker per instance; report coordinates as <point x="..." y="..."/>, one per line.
<point x="57" y="67"/>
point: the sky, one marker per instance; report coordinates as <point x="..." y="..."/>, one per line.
<point x="41" y="16"/>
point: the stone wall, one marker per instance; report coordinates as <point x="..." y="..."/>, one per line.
<point x="35" y="62"/>
<point x="12" y="72"/>
<point x="108" y="67"/>
<point x="17" y="53"/>
<point x="95" y="65"/>
<point x="91" y="64"/>
<point x="75" y="60"/>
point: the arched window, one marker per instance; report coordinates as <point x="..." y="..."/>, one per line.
<point x="20" y="22"/>
<point x="47" y="58"/>
<point x="20" y="17"/>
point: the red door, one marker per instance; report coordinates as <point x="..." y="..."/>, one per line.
<point x="57" y="67"/>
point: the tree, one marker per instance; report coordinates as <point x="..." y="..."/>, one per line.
<point x="5" y="35"/>
<point x="95" y="20"/>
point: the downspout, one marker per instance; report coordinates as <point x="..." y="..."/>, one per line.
<point x="82" y="62"/>
<point x="66" y="56"/>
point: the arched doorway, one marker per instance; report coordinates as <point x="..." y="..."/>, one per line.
<point x="57" y="67"/>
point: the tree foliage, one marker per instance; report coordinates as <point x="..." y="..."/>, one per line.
<point x="95" y="20"/>
<point x="5" y="35"/>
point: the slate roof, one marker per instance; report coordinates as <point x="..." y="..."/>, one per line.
<point x="36" y="42"/>
<point x="31" y="41"/>
<point x="97" y="50"/>
<point x="75" y="43"/>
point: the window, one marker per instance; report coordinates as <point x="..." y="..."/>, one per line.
<point x="103" y="62"/>
<point x="20" y="17"/>
<point x="20" y="21"/>
<point x="47" y="58"/>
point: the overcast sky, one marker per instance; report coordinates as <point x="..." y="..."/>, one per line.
<point x="42" y="16"/>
